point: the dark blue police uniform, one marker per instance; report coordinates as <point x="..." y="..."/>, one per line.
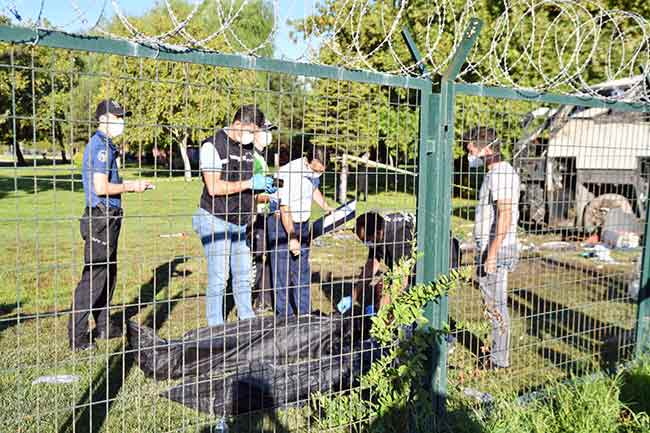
<point x="100" y="228"/>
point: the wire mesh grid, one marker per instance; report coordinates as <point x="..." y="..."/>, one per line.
<point x="576" y="178"/>
<point x="168" y="259"/>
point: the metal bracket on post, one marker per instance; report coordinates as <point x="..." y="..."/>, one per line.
<point x="415" y="53"/>
<point x="434" y="194"/>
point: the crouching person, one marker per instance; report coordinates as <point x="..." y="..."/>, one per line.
<point x="390" y="238"/>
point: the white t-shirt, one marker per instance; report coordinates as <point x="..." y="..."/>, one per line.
<point x="209" y="159"/>
<point x="500" y="183"/>
<point x="298" y="189"/>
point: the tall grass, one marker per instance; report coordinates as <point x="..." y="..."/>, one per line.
<point x="618" y="404"/>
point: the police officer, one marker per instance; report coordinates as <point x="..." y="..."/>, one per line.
<point x="100" y="229"/>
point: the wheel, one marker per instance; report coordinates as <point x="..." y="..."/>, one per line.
<point x="596" y="210"/>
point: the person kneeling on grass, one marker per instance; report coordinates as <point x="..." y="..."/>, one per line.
<point x="389" y="238"/>
<point x="288" y="232"/>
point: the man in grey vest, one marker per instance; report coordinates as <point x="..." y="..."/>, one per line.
<point x="495" y="233"/>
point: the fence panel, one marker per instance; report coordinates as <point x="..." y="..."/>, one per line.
<point x="171" y="372"/>
<point x="581" y="185"/>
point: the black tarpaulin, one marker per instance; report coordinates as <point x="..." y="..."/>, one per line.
<point x="225" y="348"/>
<point x="259" y="363"/>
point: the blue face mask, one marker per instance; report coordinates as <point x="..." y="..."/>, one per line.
<point x="477" y="161"/>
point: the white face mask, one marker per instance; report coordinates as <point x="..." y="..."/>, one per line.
<point x="474" y="161"/>
<point x="264" y="139"/>
<point x="247" y="137"/>
<point x="115" y="127"/>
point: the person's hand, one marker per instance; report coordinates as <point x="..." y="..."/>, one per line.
<point x="294" y="247"/>
<point x="490" y="265"/>
<point x="259" y="182"/>
<point x="328" y="209"/>
<point x="137" y="185"/>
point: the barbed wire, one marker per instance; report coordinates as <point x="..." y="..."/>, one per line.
<point x="540" y="45"/>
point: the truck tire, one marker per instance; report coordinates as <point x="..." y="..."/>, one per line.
<point x="596" y="210"/>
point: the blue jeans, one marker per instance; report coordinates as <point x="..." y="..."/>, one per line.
<point x="291" y="275"/>
<point x="226" y="250"/>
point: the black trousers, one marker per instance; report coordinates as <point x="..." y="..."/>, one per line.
<point x="100" y="229"/>
<point x="262" y="290"/>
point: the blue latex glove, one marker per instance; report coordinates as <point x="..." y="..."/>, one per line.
<point x="344" y="304"/>
<point x="259" y="182"/>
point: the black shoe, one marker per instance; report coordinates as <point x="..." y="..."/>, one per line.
<point x="113" y="331"/>
<point x="82" y="345"/>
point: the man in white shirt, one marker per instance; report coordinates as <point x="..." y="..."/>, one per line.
<point x="495" y="233"/>
<point x="288" y="232"/>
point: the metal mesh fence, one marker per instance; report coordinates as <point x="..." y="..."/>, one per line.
<point x="168" y="259"/>
<point x="568" y="307"/>
<point x="237" y="291"/>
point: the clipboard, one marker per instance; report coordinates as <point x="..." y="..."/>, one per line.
<point x="334" y="220"/>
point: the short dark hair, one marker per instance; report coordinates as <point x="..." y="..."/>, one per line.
<point x="316" y="152"/>
<point x="372" y="224"/>
<point x="249" y="114"/>
<point x="482" y="136"/>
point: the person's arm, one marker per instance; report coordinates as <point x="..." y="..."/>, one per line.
<point x="287" y="223"/>
<point x="320" y="200"/>
<point x="104" y="187"/>
<point x="504" y="219"/>
<point x="218" y="187"/>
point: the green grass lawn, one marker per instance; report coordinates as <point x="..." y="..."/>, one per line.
<point x="562" y="316"/>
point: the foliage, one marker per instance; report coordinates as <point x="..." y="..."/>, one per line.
<point x="35" y="92"/>
<point x="592" y="405"/>
<point x="175" y="102"/>
<point x="399" y="382"/>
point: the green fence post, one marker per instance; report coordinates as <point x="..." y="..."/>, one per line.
<point x="434" y="196"/>
<point x="643" y="310"/>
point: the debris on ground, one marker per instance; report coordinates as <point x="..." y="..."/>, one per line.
<point x="557" y="246"/>
<point x="60" y="379"/>
<point x="621" y="229"/>
<point x="600" y="253"/>
<point x="480" y="396"/>
<point x="621" y="240"/>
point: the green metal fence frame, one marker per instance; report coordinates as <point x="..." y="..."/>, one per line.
<point x="436" y="140"/>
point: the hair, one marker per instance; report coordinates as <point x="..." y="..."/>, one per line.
<point x="249" y="114"/>
<point x="482" y="136"/>
<point x="316" y="152"/>
<point x="372" y="224"/>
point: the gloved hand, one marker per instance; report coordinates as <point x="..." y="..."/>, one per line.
<point x="259" y="182"/>
<point x="344" y="304"/>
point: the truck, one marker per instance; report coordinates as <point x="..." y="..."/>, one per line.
<point x="577" y="163"/>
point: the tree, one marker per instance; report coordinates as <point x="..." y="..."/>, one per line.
<point x="34" y="94"/>
<point x="176" y="104"/>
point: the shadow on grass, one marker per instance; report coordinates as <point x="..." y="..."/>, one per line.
<point x="92" y="409"/>
<point x="39" y="184"/>
<point x="587" y="334"/>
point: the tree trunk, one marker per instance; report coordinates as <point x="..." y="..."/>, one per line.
<point x="343" y="180"/>
<point x="20" y="159"/>
<point x="187" y="167"/>
<point x="64" y="157"/>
